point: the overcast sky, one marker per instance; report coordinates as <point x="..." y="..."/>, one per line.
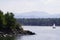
<point x="21" y="6"/>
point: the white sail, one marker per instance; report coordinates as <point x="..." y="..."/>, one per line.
<point x="54" y="26"/>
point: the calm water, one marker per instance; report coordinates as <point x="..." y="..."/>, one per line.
<point x="42" y="33"/>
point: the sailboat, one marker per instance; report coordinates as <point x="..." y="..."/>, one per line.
<point x="54" y="26"/>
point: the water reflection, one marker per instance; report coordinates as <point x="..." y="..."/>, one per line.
<point x="18" y="37"/>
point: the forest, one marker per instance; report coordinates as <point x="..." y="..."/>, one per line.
<point x="39" y="21"/>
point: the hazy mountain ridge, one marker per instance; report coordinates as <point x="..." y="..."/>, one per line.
<point x="36" y="14"/>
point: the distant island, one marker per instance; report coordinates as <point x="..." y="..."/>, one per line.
<point x="38" y="18"/>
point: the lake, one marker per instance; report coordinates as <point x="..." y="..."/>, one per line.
<point x="42" y="33"/>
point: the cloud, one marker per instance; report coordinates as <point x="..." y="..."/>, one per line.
<point x="21" y="6"/>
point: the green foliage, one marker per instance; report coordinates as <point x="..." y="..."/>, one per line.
<point x="7" y="21"/>
<point x="10" y="20"/>
<point x="1" y="20"/>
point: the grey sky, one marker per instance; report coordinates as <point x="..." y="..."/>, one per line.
<point x="21" y="6"/>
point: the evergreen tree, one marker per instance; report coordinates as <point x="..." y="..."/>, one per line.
<point x="1" y="19"/>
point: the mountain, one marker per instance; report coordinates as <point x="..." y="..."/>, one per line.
<point x="36" y="14"/>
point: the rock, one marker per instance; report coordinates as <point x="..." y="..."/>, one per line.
<point x="29" y="32"/>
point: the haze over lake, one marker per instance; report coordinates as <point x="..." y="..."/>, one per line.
<point x="42" y="33"/>
<point x="36" y="14"/>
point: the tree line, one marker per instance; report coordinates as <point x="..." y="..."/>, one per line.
<point x="39" y="21"/>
